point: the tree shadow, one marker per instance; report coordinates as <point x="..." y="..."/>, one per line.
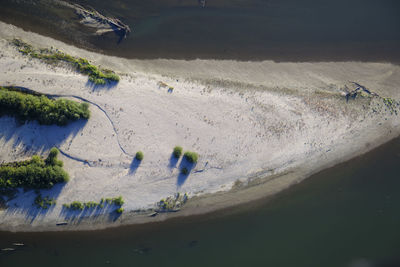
<point x="134" y="166"/>
<point x="173" y="161"/>
<point x="113" y="216"/>
<point x="182" y="177"/>
<point x="24" y="202"/>
<point x="96" y="87"/>
<point x="32" y="138"/>
<point x="76" y="216"/>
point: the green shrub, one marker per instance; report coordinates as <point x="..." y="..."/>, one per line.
<point x="52" y="157"/>
<point x="90" y="204"/>
<point x="118" y="201"/>
<point x="76" y="205"/>
<point x="27" y="107"/>
<point x="82" y="65"/>
<point x="139" y="155"/>
<point x="35" y="173"/>
<point x="120" y="210"/>
<point x="184" y="171"/>
<point x="177" y="151"/>
<point x="192" y="157"/>
<point x="45" y="202"/>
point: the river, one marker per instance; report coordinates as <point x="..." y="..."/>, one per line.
<point x="281" y="30"/>
<point x="344" y="216"/>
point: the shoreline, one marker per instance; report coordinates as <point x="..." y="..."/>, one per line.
<point x="290" y="86"/>
<point x="223" y="203"/>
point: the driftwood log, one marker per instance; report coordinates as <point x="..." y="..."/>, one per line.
<point x="92" y="18"/>
<point x="359" y="88"/>
<point x="202" y="3"/>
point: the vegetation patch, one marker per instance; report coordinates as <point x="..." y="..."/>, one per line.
<point x="3" y="205"/>
<point x="76" y="205"/>
<point x="28" y="107"/>
<point x="119" y="201"/>
<point x="172" y="203"/>
<point x="391" y="104"/>
<point x="51" y="56"/>
<point x="120" y="210"/>
<point x="44" y="202"/>
<point x="192" y="157"/>
<point x="177" y="152"/>
<point x="184" y="171"/>
<point x="139" y="155"/>
<point x="36" y="173"/>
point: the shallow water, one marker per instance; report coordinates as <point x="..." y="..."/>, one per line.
<point x="343" y="216"/>
<point x="282" y="30"/>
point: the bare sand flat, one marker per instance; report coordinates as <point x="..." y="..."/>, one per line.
<point x="258" y="127"/>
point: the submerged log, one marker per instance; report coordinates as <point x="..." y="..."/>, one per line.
<point x="114" y="23"/>
<point x="7" y="249"/>
<point x="92" y="18"/>
<point x="202" y="3"/>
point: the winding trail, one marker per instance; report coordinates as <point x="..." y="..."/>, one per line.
<point x="209" y="167"/>
<point x="84" y="161"/>
<point x="100" y="108"/>
<point x="51" y="96"/>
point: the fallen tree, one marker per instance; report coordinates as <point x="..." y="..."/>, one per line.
<point x="92" y="18"/>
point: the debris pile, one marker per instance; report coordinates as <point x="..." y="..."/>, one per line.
<point x="172" y="203"/>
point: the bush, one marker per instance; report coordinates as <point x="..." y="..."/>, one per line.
<point x="139" y="155"/>
<point x="27" y="107"/>
<point x="52" y="157"/>
<point x="90" y="204"/>
<point x="192" y="157"/>
<point x="118" y="201"/>
<point x="76" y="205"/>
<point x="120" y="210"/>
<point x="177" y="152"/>
<point x="33" y="174"/>
<point x="184" y="171"/>
<point x="45" y="202"/>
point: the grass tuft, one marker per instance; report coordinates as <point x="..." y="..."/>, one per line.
<point x="192" y="157"/>
<point x="184" y="171"/>
<point x="177" y="152"/>
<point x="44" y="202"/>
<point x="77" y="205"/>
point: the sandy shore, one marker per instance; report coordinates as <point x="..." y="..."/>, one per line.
<point x="258" y="127"/>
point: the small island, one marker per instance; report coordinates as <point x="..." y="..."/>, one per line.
<point x="92" y="141"/>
